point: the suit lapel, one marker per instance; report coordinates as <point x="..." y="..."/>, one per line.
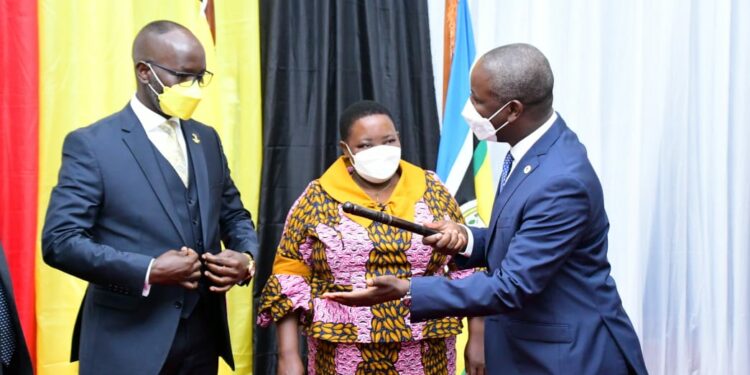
<point x="140" y="147"/>
<point x="525" y="167"/>
<point x="200" y="172"/>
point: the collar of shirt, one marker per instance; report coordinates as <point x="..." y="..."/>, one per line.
<point x="151" y="120"/>
<point x="148" y="118"/>
<point x="522" y="147"/>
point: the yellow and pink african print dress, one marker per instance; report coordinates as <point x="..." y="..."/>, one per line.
<point x="323" y="249"/>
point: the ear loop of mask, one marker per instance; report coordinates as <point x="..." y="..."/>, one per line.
<point x="351" y="159"/>
<point x="506" y="123"/>
<point x="498" y="111"/>
<point x="157" y="79"/>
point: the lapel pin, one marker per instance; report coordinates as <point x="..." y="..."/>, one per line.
<point x="526" y="169"/>
<point x="196" y="139"/>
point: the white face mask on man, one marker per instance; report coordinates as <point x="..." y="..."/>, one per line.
<point x="376" y="164"/>
<point x="480" y="126"/>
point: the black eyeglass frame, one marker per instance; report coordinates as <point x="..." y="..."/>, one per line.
<point x="186" y="79"/>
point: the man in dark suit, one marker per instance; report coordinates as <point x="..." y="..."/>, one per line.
<point x="143" y="201"/>
<point x="551" y="305"/>
<point x="14" y="355"/>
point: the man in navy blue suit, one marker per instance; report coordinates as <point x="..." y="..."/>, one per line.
<point x="551" y="305"/>
<point x="143" y="201"/>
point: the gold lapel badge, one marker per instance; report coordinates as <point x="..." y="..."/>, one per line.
<point x="526" y="169"/>
<point x="196" y="139"/>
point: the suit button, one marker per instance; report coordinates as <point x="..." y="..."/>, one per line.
<point x="190" y="202"/>
<point x="195" y="222"/>
<point x="178" y="305"/>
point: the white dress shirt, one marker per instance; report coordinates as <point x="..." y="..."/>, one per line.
<point x="518" y="151"/>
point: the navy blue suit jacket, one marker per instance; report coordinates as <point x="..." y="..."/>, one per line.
<point x="551" y="303"/>
<point x="110" y="214"/>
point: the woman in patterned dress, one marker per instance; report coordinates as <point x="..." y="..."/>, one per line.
<point x="323" y="249"/>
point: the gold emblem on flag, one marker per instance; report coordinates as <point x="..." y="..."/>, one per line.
<point x="196" y="139"/>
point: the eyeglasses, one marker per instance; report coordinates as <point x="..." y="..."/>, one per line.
<point x="186" y="79"/>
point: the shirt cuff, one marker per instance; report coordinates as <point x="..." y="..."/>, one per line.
<point x="469" y="243"/>
<point x="146" y="285"/>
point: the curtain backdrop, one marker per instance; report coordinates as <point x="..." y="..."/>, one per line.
<point x="658" y="91"/>
<point x="319" y="57"/>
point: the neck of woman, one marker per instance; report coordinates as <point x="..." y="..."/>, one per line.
<point x="378" y="192"/>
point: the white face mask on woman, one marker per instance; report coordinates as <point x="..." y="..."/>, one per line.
<point x="376" y="164"/>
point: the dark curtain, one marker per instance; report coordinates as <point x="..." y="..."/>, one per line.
<point x="319" y="56"/>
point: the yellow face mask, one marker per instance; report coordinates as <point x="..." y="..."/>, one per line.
<point x="176" y="100"/>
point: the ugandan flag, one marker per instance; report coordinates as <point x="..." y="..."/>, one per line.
<point x="68" y="64"/>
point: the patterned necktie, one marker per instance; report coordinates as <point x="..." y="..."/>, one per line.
<point x="174" y="153"/>
<point x="7" y="333"/>
<point x="507" y="163"/>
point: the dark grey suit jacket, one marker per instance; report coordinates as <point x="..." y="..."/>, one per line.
<point x="110" y="214"/>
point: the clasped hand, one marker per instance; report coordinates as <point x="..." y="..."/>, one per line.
<point x="183" y="268"/>
<point x="227" y="268"/>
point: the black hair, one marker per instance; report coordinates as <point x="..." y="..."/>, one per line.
<point x="357" y="111"/>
